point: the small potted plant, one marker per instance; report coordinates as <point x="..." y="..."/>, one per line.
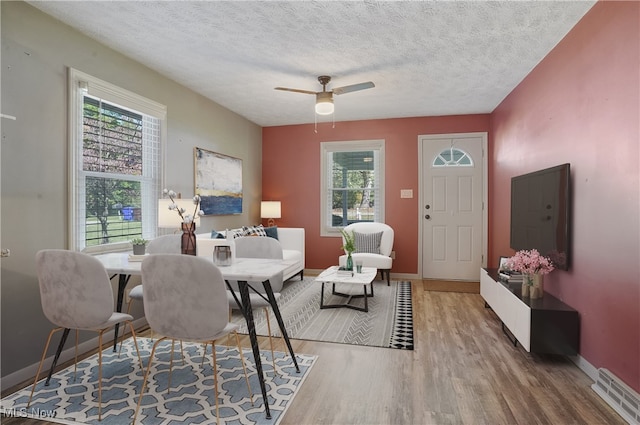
<point x="139" y="245"/>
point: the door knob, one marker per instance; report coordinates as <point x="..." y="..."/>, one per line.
<point x="428" y="217"/>
<point x="427" y="206"/>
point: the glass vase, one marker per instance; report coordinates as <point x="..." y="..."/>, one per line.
<point x="349" y="262"/>
<point x="188" y="243"/>
<point x="537" y="286"/>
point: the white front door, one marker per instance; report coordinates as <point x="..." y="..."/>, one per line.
<point x="452" y="206"/>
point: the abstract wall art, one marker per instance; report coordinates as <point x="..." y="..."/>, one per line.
<point x="218" y="181"/>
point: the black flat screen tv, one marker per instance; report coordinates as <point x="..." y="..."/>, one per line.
<point x="540" y="213"/>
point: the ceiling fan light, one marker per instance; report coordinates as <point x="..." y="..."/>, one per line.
<point x="324" y="103"/>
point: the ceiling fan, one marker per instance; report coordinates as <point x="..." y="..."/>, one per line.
<point x="324" y="98"/>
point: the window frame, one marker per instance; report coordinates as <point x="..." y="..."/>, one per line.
<point x="79" y="84"/>
<point x="349" y="146"/>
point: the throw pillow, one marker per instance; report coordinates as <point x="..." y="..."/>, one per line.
<point x="253" y="231"/>
<point x="368" y="242"/>
<point x="216" y="235"/>
<point x="272" y="232"/>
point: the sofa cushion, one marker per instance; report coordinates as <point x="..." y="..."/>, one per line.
<point x="368" y="242"/>
<point x="272" y="231"/>
<point x="252" y="231"/>
<point x="291" y="255"/>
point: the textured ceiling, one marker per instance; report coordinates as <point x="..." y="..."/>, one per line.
<point x="426" y="58"/>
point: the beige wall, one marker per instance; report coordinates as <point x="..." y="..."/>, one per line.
<point x="36" y="53"/>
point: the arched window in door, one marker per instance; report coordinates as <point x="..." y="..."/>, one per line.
<point x="453" y="157"/>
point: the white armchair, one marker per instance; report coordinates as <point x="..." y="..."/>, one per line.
<point x="374" y="242"/>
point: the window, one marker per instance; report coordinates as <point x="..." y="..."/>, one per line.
<point x="115" y="155"/>
<point x="352" y="183"/>
<point x="453" y="157"/>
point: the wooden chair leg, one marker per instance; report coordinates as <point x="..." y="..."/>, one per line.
<point x="135" y="342"/>
<point x="75" y="364"/>
<point x="146" y="375"/>
<point x="244" y="368"/>
<point x="123" y="332"/>
<point x="273" y="357"/>
<point x="44" y="354"/>
<point x="204" y="353"/>
<point x="100" y="375"/>
<point x="214" y="361"/>
<point x="173" y="342"/>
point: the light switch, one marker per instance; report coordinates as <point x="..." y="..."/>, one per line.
<point x="406" y="193"/>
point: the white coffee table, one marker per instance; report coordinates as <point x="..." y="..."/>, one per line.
<point x="365" y="278"/>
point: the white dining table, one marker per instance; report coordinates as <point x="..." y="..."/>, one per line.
<point x="242" y="270"/>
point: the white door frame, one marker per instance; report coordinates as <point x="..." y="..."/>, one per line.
<point x="485" y="198"/>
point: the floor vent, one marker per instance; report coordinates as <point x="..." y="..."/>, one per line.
<point x="618" y="395"/>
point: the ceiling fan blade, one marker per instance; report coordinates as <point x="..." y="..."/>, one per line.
<point x="353" y="87"/>
<point x="295" y="90"/>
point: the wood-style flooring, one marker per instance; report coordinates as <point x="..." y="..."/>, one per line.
<point x="463" y="371"/>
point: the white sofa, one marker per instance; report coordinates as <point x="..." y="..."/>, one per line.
<point x="291" y="239"/>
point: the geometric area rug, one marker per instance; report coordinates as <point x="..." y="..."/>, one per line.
<point x="190" y="399"/>
<point x="388" y="323"/>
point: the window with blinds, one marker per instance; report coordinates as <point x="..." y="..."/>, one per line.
<point x="353" y="177"/>
<point x="117" y="155"/>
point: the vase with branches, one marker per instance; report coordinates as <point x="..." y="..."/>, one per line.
<point x="188" y="225"/>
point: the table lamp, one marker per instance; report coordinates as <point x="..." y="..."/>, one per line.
<point x="270" y="210"/>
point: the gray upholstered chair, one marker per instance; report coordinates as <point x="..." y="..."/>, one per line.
<point x="258" y="247"/>
<point x="76" y="293"/>
<point x="195" y="310"/>
<point x="166" y="244"/>
<point x="374" y="243"/>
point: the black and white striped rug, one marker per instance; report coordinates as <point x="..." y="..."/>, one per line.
<point x="388" y="323"/>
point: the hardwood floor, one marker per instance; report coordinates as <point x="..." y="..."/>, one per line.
<point x="463" y="371"/>
<point x="451" y="286"/>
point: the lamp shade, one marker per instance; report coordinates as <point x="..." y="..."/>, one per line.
<point x="170" y="219"/>
<point x="270" y="209"/>
<point x="324" y="103"/>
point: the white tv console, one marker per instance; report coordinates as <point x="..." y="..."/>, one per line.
<point x="543" y="325"/>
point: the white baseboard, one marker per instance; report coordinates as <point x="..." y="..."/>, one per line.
<point x="405" y="276"/>
<point x="29" y="372"/>
<point x="590" y="370"/>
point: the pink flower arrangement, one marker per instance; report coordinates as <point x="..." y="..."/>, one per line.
<point x="530" y="262"/>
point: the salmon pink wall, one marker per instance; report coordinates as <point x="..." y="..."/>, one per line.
<point x="291" y="174"/>
<point x="581" y="105"/>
